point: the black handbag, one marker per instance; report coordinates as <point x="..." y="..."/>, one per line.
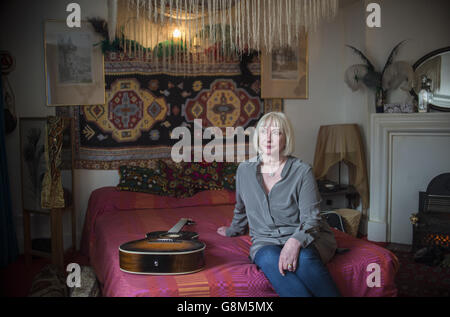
<point x="334" y="220"/>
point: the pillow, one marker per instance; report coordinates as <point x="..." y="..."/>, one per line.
<point x="141" y="179"/>
<point x="179" y="181"/>
<point x="49" y="282"/>
<point x="202" y="176"/>
<point x="210" y="176"/>
<point x="229" y="176"/>
<point x="89" y="285"/>
<point x="134" y="201"/>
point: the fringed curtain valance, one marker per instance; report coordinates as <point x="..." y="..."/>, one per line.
<point x="208" y="31"/>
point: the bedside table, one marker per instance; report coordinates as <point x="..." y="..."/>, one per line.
<point x="348" y="191"/>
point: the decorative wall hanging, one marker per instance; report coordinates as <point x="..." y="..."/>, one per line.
<point x="184" y="32"/>
<point x="394" y="75"/>
<point x="73" y="65"/>
<point x="58" y="156"/>
<point x="46" y="151"/>
<point x="8" y="64"/>
<point x="144" y="105"/>
<point x="285" y="72"/>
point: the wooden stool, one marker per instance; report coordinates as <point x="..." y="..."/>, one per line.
<point x="57" y="241"/>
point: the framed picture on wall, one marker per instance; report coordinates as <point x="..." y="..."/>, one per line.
<point x="284" y="73"/>
<point x="33" y="164"/>
<point x="74" y="70"/>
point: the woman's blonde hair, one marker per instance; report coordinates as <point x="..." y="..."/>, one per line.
<point x="280" y="120"/>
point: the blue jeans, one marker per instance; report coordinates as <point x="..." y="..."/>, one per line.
<point x="310" y="279"/>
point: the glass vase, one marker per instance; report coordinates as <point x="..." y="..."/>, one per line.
<point x="380" y="100"/>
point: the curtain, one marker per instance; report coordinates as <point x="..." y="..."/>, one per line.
<point x="185" y="32"/>
<point x="8" y="239"/>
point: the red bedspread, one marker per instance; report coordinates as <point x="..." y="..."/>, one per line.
<point x="114" y="217"/>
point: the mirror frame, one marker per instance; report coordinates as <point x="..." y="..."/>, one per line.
<point x="418" y="63"/>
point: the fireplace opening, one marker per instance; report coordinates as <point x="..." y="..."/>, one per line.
<point x="431" y="225"/>
<point x="436" y="239"/>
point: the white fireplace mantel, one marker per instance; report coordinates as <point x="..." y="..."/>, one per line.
<point x="406" y="152"/>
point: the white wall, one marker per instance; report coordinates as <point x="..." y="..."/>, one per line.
<point x="424" y="22"/>
<point x="330" y="100"/>
<point x="22" y="24"/>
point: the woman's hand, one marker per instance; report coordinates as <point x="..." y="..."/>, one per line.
<point x="289" y="256"/>
<point x="222" y="231"/>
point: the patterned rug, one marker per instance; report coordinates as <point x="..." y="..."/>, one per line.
<point x="421" y="280"/>
<point x="143" y="107"/>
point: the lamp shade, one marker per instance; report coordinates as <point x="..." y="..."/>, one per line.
<point x="343" y="142"/>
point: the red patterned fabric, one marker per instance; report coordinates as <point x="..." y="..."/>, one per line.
<point x="181" y="181"/>
<point x="115" y="217"/>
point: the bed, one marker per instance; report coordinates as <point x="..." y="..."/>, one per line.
<point x="114" y="217"/>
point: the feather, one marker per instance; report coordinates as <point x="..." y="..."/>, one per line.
<point x="391" y="56"/>
<point x="398" y="74"/>
<point x="363" y="57"/>
<point x="100" y="26"/>
<point x="354" y="76"/>
<point x="372" y="80"/>
<point x="246" y="74"/>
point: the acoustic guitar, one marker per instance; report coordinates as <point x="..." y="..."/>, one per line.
<point x="164" y="252"/>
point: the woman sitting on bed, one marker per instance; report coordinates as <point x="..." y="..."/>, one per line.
<point x="276" y="196"/>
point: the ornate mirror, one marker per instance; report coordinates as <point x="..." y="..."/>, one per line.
<point x="436" y="67"/>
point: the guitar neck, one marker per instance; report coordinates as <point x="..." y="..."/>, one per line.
<point x="179" y="225"/>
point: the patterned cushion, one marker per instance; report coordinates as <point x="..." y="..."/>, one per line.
<point x="146" y="180"/>
<point x="203" y="176"/>
<point x="229" y="176"/>
<point x="89" y="286"/>
<point x="49" y="282"/>
<point x="178" y="180"/>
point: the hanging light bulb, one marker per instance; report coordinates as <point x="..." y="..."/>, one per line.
<point x="176" y="33"/>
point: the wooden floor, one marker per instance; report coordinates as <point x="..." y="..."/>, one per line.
<point x="397" y="247"/>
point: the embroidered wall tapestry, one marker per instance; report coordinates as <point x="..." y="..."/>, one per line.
<point x="144" y="105"/>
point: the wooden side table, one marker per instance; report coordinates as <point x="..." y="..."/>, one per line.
<point x="348" y="191"/>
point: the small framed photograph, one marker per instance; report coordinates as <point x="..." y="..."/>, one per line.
<point x="74" y="67"/>
<point x="284" y="73"/>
